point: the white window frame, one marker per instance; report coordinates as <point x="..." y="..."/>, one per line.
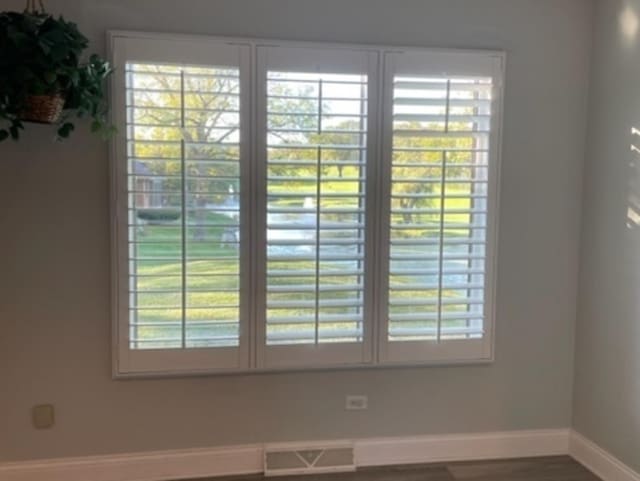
<point x="253" y="355"/>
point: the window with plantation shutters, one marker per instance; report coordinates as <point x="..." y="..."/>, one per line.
<point x="182" y="146"/>
<point x="281" y="205"/>
<point x="441" y="199"/>
<point x="315" y="163"/>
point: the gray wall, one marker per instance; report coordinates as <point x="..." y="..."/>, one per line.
<point x="607" y="388"/>
<point x="54" y="274"/>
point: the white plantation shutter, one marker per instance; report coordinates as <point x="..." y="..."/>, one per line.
<point x="185" y="153"/>
<point x="282" y="205"/>
<point x="441" y="176"/>
<point x="317" y="132"/>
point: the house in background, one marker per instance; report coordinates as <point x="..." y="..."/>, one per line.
<point x="143" y="186"/>
<point x="148" y="189"/>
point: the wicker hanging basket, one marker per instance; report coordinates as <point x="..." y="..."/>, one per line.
<point x="43" y="109"/>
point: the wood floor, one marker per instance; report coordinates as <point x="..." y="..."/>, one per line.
<point x="557" y="468"/>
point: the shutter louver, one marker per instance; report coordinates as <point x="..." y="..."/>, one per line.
<point x="316" y="169"/>
<point x="440" y="186"/>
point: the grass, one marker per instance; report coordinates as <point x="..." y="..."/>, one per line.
<point x="211" y="273"/>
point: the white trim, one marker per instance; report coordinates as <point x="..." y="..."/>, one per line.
<point x="461" y="447"/>
<point x="273" y="42"/>
<point x="152" y="466"/>
<point x="600" y="462"/>
<point x="248" y="459"/>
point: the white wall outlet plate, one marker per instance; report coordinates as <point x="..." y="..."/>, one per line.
<point x="356" y="402"/>
<point x="43" y="416"/>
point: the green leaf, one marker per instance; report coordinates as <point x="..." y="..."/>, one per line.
<point x="4" y="135"/>
<point x="96" y="126"/>
<point x="17" y="37"/>
<point x="44" y="46"/>
<point x="65" y="131"/>
<point x="15" y="133"/>
<point x="50" y="77"/>
<point x="74" y="76"/>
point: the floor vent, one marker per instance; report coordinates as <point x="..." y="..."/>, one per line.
<point x="308" y="459"/>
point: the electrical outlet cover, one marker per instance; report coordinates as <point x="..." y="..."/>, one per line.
<point x="357" y="403"/>
<point x="43" y="416"/>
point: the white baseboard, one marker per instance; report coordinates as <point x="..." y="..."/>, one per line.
<point x="461" y="447"/>
<point x="152" y="466"/>
<point x="599" y="461"/>
<point x="236" y="460"/>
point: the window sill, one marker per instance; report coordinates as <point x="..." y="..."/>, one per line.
<point x="130" y="375"/>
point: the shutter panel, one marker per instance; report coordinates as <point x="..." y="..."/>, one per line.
<point x="184" y="185"/>
<point x="441" y="168"/>
<point x="316" y="124"/>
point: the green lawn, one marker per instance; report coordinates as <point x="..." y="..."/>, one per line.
<point x="212" y="281"/>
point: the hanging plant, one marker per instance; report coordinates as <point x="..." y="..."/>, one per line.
<point x="43" y="78"/>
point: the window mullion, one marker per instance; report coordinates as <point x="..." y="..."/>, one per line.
<point x="382" y="205"/>
<point x="260" y="208"/>
<point x="252" y="214"/>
